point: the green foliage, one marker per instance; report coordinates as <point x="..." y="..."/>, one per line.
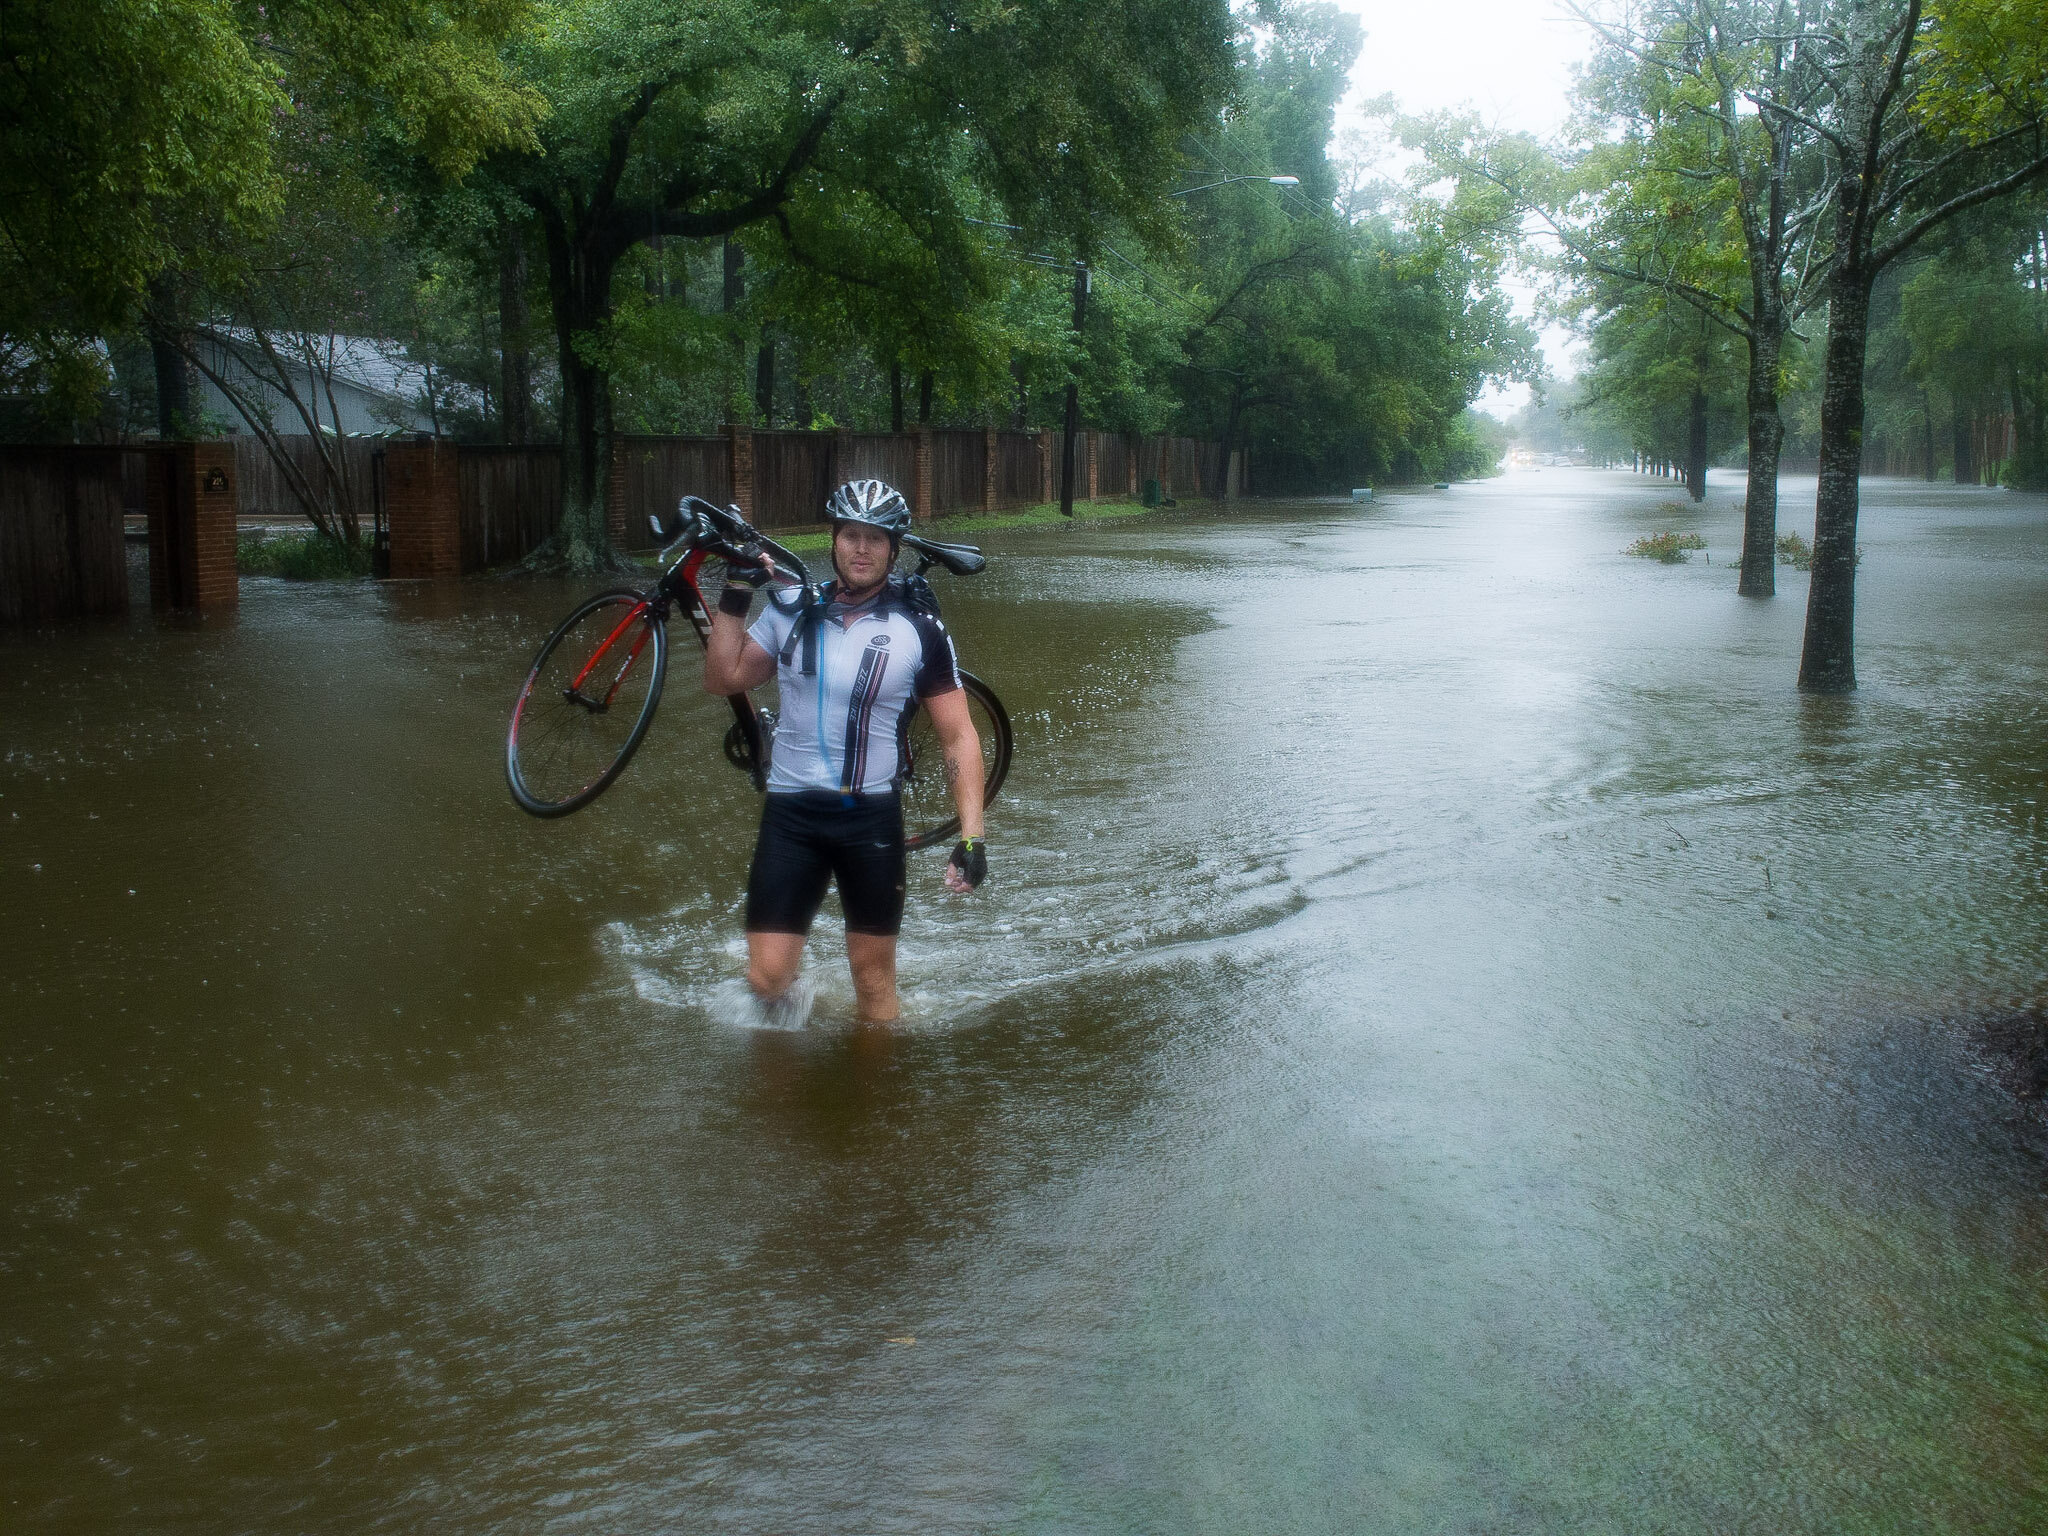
<point x="903" y="189"/>
<point x="1795" y="552"/>
<point x="133" y="135"/>
<point x="1670" y="548"/>
<point x="301" y="556"/>
<point x="139" y="136"/>
<point x="1985" y="68"/>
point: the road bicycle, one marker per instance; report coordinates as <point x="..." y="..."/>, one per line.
<point x="587" y="703"/>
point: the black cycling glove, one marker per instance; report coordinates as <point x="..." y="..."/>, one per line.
<point x="750" y="573"/>
<point x="970" y="857"/>
<point x="741" y="582"/>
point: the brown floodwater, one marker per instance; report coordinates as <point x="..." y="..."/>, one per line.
<point x="1453" y="1042"/>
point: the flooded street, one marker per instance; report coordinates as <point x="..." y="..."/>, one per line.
<point x="1453" y="1042"/>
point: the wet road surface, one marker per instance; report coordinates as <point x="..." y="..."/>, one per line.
<point x="1453" y="1042"/>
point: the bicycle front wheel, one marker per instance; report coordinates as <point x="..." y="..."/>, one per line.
<point x="586" y="705"/>
<point x="929" y="816"/>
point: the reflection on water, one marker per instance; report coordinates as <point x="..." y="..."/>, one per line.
<point x="1453" y="1041"/>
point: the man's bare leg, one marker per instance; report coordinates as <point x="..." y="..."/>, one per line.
<point x="873" y="959"/>
<point x="773" y="959"/>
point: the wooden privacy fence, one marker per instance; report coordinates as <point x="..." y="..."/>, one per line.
<point x="792" y="477"/>
<point x="469" y="508"/>
<point x="1020" y="469"/>
<point x="264" y="490"/>
<point x="651" y="474"/>
<point x="63" y="544"/>
<point x="878" y="456"/>
<point x="510" y="498"/>
<point x="959" y="471"/>
<point x="62" y="552"/>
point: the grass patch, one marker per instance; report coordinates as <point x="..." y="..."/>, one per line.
<point x="1671" y="548"/>
<point x="301" y="557"/>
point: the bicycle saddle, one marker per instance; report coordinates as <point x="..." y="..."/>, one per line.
<point x="960" y="559"/>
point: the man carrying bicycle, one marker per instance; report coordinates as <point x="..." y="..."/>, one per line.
<point x="849" y="671"/>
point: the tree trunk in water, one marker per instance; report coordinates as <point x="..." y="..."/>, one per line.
<point x="173" y="376"/>
<point x="1927" y="418"/>
<point x="1827" y="659"/>
<point x="581" y="288"/>
<point x="1965" y="444"/>
<point x="515" y="362"/>
<point x="1696" y="447"/>
<point x="1073" y="420"/>
<point x="582" y="541"/>
<point x="1230" y="436"/>
<point x="764" y="379"/>
<point x="1766" y="440"/>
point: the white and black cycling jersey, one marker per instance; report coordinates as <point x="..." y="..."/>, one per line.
<point x="847" y="698"/>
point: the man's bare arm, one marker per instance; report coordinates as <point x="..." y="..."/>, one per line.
<point x="733" y="660"/>
<point x="961" y="744"/>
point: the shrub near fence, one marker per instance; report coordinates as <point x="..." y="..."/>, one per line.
<point x="62" y="552"/>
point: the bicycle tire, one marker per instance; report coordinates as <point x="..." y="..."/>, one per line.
<point x="565" y="746"/>
<point x="928" y="814"/>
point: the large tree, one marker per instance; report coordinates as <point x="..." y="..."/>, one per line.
<point x="1677" y="182"/>
<point x="1712" y="194"/>
<point x="833" y="124"/>
<point x="1925" y="116"/>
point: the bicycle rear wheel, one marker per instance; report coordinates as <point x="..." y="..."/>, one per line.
<point x="928" y="813"/>
<point x="586" y="705"/>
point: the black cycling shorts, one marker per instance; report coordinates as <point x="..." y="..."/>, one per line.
<point x="812" y="836"/>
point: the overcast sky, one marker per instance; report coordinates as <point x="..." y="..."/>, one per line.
<point x="1511" y="61"/>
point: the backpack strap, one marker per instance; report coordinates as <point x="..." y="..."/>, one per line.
<point x="806" y="633"/>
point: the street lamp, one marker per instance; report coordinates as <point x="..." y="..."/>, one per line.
<point x="1276" y="181"/>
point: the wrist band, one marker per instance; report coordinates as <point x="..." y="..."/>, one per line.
<point x="736" y="600"/>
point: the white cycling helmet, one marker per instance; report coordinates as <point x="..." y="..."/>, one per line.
<point x="874" y="502"/>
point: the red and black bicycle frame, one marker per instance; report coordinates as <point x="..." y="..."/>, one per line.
<point x="746" y="743"/>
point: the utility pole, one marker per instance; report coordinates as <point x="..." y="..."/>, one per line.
<point x="1073" y="395"/>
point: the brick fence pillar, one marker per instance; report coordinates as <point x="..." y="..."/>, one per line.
<point x="423" y="503"/>
<point x="1045" y="483"/>
<point x="991" y="460"/>
<point x="1131" y="467"/>
<point x="921" y="498"/>
<point x="190" y="499"/>
<point x="1093" y="441"/>
<point x="739" y="448"/>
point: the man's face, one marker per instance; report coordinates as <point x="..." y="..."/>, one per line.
<point x="861" y="553"/>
